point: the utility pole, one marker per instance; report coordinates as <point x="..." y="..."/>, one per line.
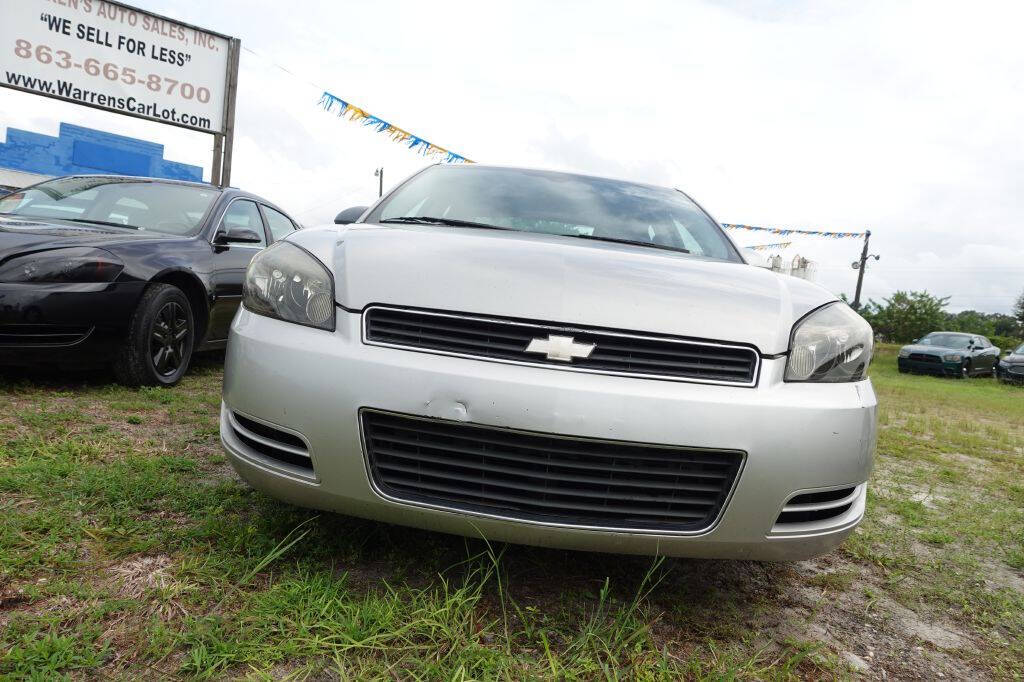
<point x="860" y="267"/>
<point x="379" y="173"/>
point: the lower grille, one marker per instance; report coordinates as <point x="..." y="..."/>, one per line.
<point x="818" y="506"/>
<point x="41" y="334"/>
<point x="272" y="443"/>
<point x="539" y="477"/>
<point x="924" y="357"/>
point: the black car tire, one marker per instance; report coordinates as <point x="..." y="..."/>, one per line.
<point x="965" y="370"/>
<point x="904" y="370"/>
<point x="158" y="348"/>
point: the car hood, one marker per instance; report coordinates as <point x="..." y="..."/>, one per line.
<point x="25" y="235"/>
<point x="564" y="280"/>
<point x="1014" y="359"/>
<point x="932" y="350"/>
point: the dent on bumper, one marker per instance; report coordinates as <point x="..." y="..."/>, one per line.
<point x="798" y="437"/>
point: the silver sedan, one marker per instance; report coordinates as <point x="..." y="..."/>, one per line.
<point x="551" y="359"/>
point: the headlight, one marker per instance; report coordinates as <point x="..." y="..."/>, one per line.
<point x="1004" y="363"/>
<point x="832" y="344"/>
<point x="952" y="357"/>
<point x="904" y="352"/>
<point x="287" y="282"/>
<point x="63" y="265"/>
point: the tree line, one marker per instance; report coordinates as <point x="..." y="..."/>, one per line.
<point x="909" y="315"/>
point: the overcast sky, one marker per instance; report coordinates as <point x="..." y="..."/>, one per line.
<point x="903" y="118"/>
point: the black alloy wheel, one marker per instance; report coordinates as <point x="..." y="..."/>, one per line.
<point x="171" y="339"/>
<point x="965" y="369"/>
<point x="161" y="337"/>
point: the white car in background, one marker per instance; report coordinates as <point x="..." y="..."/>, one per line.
<point x="551" y="359"/>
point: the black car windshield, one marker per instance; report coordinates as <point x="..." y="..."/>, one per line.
<point x="556" y="203"/>
<point x="140" y="204"/>
<point x="959" y="341"/>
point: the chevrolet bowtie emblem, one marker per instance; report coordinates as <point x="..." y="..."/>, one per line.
<point x="562" y="348"/>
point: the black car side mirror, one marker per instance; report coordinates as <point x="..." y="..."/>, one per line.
<point x="237" y="235"/>
<point x="349" y="215"/>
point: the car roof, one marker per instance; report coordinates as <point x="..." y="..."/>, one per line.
<point x="498" y="166"/>
<point x="233" y="191"/>
<point x="167" y="181"/>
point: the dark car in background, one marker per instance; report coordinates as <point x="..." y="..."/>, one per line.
<point x="949" y="354"/>
<point x="135" y="272"/>
<point x="1011" y="368"/>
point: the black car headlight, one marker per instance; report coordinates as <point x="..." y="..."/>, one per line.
<point x="287" y="282"/>
<point x="832" y="344"/>
<point x="74" y="265"/>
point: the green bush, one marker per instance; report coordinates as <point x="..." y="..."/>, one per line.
<point x="1005" y="343"/>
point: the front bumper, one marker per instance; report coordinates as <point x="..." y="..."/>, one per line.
<point x="42" y="323"/>
<point x="311" y="383"/>
<point x="1010" y="373"/>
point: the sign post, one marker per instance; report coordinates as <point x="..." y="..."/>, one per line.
<point x="111" y="56"/>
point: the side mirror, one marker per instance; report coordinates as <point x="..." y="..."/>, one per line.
<point x="915" y="340"/>
<point x="349" y="215"/>
<point x="237" y="235"/>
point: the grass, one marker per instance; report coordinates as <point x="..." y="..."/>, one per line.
<point x="129" y="549"/>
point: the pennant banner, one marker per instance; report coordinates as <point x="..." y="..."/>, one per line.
<point x="785" y="232"/>
<point x="344" y="109"/>
<point x="769" y="247"/>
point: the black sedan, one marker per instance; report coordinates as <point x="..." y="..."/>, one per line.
<point x="134" y="272"/>
<point x="1011" y="368"/>
<point x="949" y="354"/>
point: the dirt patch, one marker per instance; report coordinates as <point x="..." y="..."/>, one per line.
<point x="874" y="635"/>
<point x="940" y="635"/>
<point x="997" y="576"/>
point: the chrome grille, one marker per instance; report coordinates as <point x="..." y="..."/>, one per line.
<point x="539" y="477"/>
<point x="614" y="352"/>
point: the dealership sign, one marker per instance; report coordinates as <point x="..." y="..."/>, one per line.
<point x="111" y="56"/>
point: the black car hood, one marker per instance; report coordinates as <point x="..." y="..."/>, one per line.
<point x="26" y="235"/>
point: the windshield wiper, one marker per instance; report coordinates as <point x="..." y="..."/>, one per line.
<point x="450" y="222"/>
<point x="614" y="240"/>
<point x="111" y="223"/>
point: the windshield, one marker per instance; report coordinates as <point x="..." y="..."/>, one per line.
<point x="1020" y="350"/>
<point x="557" y="203"/>
<point x="946" y="340"/>
<point x="140" y="204"/>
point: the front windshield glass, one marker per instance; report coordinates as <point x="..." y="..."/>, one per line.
<point x="1020" y="350"/>
<point x="946" y="340"/>
<point x="557" y="203"/>
<point x="139" y="204"/>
